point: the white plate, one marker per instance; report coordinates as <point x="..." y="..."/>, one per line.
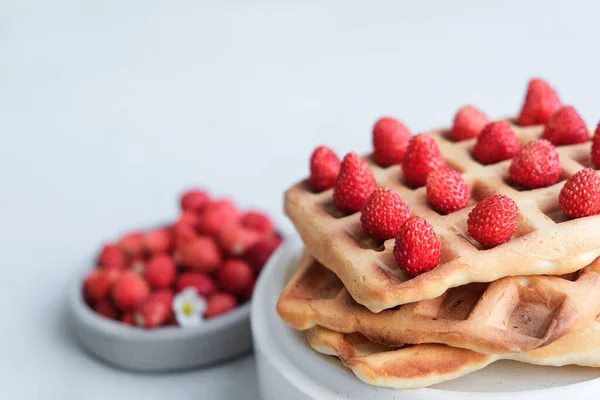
<point x="288" y="368"/>
<point x="162" y="349"/>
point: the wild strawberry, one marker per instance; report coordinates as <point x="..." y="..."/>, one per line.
<point x="235" y="239"/>
<point x="536" y="165"/>
<point x="189" y="218"/>
<point x="158" y="241"/>
<point x="129" y="291"/>
<point x="422" y="157"/>
<point x="596" y="147"/>
<point x="106" y="309"/>
<point x="203" y="284"/>
<point x="98" y="283"/>
<point x="259" y="222"/>
<point x="160" y="271"/>
<point x="384" y="214"/>
<point x="258" y="254"/>
<point x="540" y="103"/>
<point x="201" y="254"/>
<point x="580" y="197"/>
<point x="128" y="319"/>
<point x="235" y="277"/>
<point x="247" y="294"/>
<point x="218" y="304"/>
<point x="324" y="168"/>
<point x="194" y="200"/>
<point x="468" y="123"/>
<point x="354" y="184"/>
<point x="95" y="287"/>
<point x="566" y="127"/>
<point x="447" y="191"/>
<point x="497" y="142"/>
<point x="390" y="140"/>
<point x="216" y="215"/>
<point x="493" y="221"/>
<point x="112" y="257"/>
<point x="132" y="244"/>
<point x="155" y="310"/>
<point x="184" y="231"/>
<point x="417" y="248"/>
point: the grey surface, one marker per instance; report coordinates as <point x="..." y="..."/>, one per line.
<point x="109" y="108"/>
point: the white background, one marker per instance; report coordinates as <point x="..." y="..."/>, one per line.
<point x="108" y="109"/>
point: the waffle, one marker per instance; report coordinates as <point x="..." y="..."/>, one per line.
<point x="546" y="241"/>
<point x="512" y="314"/>
<point x="427" y="364"/>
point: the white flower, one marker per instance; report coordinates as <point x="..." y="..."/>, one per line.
<point x="189" y="308"/>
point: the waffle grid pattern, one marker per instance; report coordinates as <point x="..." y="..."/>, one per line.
<point x="545" y="242"/>
<point x="513" y="314"/>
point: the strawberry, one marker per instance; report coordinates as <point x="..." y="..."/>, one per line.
<point x="197" y="280"/>
<point x="536" y="165"/>
<point x="417" y="248"/>
<point x="540" y="103"/>
<point x="218" y="304"/>
<point x="157" y="241"/>
<point x="383" y="215"/>
<point x="184" y="231"/>
<point x="216" y="215"/>
<point x="259" y="222"/>
<point x="566" y="127"/>
<point x="112" y="257"/>
<point x="324" y="168"/>
<point x="235" y="239"/>
<point x="247" y="294"/>
<point x="493" y="220"/>
<point x="447" y="191"/>
<point x="189" y="218"/>
<point x="129" y="291"/>
<point x="128" y="319"/>
<point x="95" y="287"/>
<point x="497" y="142"/>
<point x="106" y="309"/>
<point x="132" y="244"/>
<point x="194" y="200"/>
<point x="422" y="156"/>
<point x="468" y="123"/>
<point x="596" y="148"/>
<point x="354" y="184"/>
<point x="155" y="310"/>
<point x="580" y="197"/>
<point x="258" y="254"/>
<point x="160" y="271"/>
<point x="201" y="254"/>
<point x="390" y="140"/>
<point x="235" y="277"/>
<point x="98" y="283"/>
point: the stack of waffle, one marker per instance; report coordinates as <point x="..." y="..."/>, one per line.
<point x="533" y="299"/>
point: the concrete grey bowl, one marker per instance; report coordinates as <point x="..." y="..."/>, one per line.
<point x="162" y="349"/>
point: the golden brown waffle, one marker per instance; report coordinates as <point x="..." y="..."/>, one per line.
<point x="427" y="364"/>
<point x="512" y="314"/>
<point x="545" y="242"/>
